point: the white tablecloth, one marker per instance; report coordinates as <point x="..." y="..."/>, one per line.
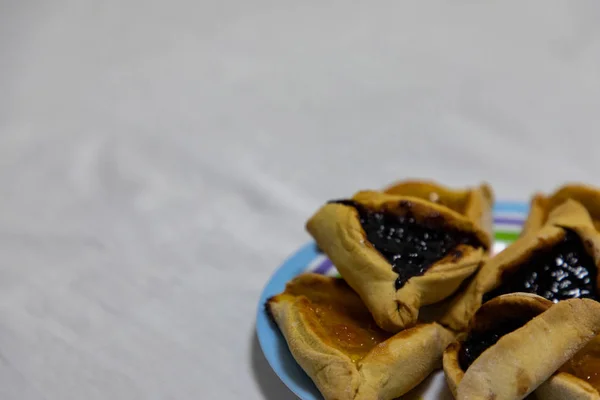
<point x="158" y="160"/>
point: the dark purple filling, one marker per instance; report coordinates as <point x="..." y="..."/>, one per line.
<point x="411" y="247"/>
<point x="478" y="342"/>
<point x="562" y="272"/>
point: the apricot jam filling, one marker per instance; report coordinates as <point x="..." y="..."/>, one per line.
<point x="338" y="316"/>
<point x="586" y="364"/>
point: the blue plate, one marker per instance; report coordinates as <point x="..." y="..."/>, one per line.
<point x="508" y="219"/>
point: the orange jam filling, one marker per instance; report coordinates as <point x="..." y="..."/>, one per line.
<point x="586" y="364"/>
<point x="350" y="330"/>
<point x="339" y="317"/>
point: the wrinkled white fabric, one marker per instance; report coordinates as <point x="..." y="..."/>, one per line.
<point x="158" y="161"/>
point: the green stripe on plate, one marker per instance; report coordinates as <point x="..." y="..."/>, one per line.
<point x="506" y="236"/>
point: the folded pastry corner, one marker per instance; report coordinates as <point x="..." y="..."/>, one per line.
<point x="558" y="261"/>
<point x="334" y="338"/>
<point x="542" y="205"/>
<point x="515" y="343"/>
<point x="475" y="203"/>
<point x="405" y="248"/>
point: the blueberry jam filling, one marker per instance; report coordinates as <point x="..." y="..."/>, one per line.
<point x="478" y="342"/>
<point x="564" y="271"/>
<point x="410" y="246"/>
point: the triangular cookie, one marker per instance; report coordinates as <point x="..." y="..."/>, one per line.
<point x="558" y="261"/>
<point x="407" y="248"/>
<point x="333" y="337"/>
<point x="517" y="341"/>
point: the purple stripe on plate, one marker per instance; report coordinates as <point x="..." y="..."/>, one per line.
<point x="511" y="221"/>
<point x="325" y="266"/>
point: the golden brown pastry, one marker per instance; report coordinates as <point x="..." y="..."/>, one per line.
<point x="474" y="203"/>
<point x="586" y="365"/>
<point x="517" y="341"/>
<point x="406" y="248"/>
<point x="541" y="205"/>
<point x="559" y="261"/>
<point x="333" y="337"/>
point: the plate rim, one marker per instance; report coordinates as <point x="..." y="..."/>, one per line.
<point x="265" y="327"/>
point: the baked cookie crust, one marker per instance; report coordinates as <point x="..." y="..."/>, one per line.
<point x="339" y="232"/>
<point x="334" y="339"/>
